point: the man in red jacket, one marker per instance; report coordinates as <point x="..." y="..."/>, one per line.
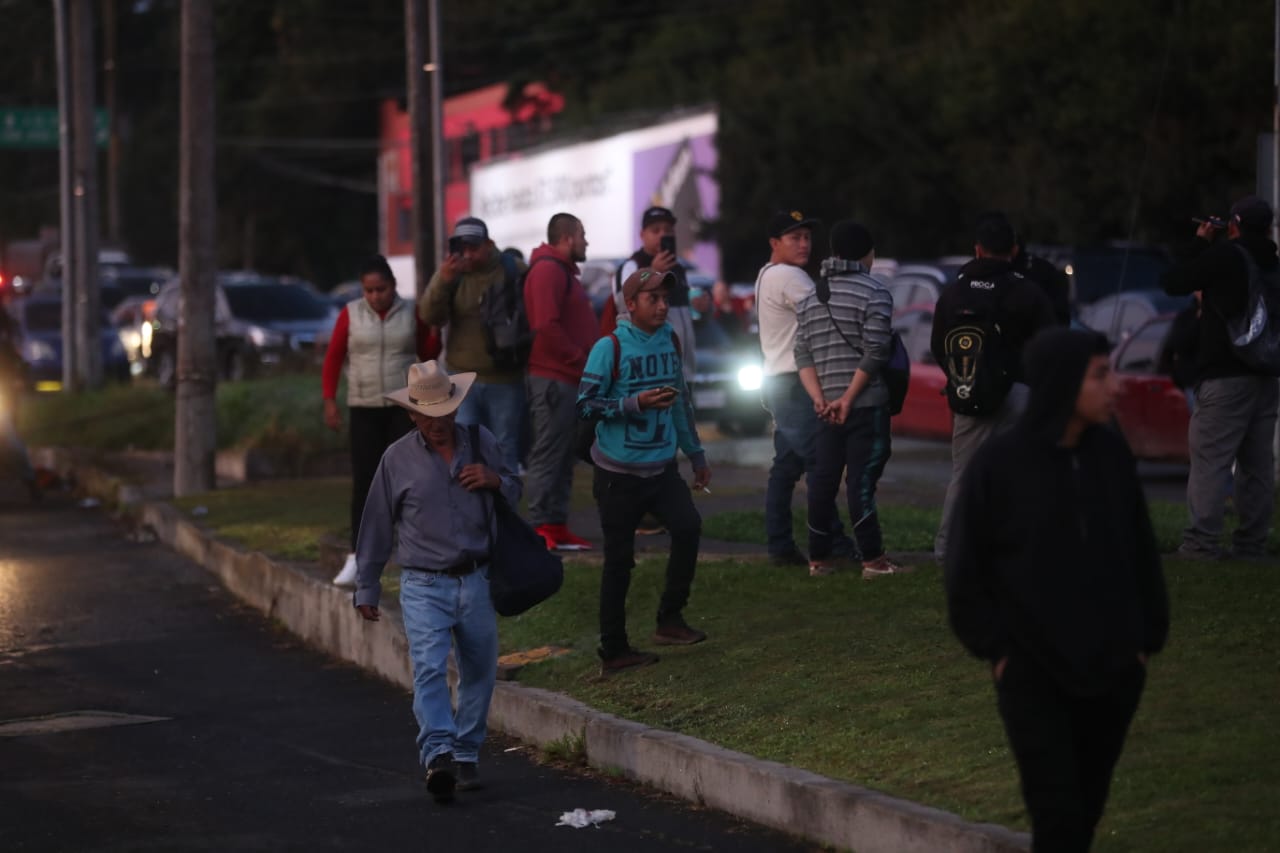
<point x="564" y="329"/>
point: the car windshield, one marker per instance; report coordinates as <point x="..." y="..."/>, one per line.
<point x="47" y="316"/>
<point x="709" y="334"/>
<point x="265" y="303"/>
<point x="1101" y="273"/>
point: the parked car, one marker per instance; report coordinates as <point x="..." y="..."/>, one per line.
<point x="1152" y="411"/>
<point x="921" y="283"/>
<point x="261" y="324"/>
<point x="1098" y="271"/>
<point x="925" y="413"/>
<point x="1117" y="316"/>
<point x="726" y="384"/>
<point x="39" y="320"/>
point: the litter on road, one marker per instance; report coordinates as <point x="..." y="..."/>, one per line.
<point x="578" y="818"/>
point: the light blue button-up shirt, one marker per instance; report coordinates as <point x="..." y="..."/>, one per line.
<point x="416" y="495"/>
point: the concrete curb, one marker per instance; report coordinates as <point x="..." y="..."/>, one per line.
<point x="795" y="801"/>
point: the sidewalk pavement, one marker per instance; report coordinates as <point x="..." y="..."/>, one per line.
<point x="796" y="801"/>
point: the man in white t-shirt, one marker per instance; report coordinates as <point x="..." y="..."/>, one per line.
<point x="781" y="285"/>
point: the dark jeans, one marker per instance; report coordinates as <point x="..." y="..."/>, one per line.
<point x="623" y="499"/>
<point x="858" y="448"/>
<point x="372" y="432"/>
<point x="1066" y="747"/>
<point x="795" y="426"/>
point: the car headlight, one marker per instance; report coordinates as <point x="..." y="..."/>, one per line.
<point x="35" y="350"/>
<point x="750" y="378"/>
<point x="261" y="337"/>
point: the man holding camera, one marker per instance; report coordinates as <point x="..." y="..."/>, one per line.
<point x="454" y="296"/>
<point x="657" y="252"/>
<point x="1235" y="414"/>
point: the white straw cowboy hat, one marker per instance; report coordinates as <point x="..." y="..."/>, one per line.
<point x="431" y="391"/>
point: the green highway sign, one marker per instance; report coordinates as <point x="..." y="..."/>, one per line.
<point x="37" y="127"/>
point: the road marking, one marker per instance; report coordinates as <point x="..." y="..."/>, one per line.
<point x="72" y="721"/>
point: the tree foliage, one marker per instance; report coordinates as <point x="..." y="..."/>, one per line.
<point x="1084" y="120"/>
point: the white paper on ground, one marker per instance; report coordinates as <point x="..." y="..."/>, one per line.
<point x="578" y="818"/>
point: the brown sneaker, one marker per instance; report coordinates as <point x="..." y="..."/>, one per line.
<point x="629" y="659"/>
<point x="678" y="634"/>
<point x="882" y="566"/>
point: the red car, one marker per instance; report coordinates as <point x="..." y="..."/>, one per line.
<point x="1153" y="412"/>
<point x="925" y="413"/>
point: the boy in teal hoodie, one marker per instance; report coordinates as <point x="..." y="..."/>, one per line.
<point x="633" y="387"/>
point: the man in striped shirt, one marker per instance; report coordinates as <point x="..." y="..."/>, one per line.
<point x="842" y="345"/>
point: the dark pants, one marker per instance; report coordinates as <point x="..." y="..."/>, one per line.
<point x="859" y="449"/>
<point x="372" y="432"/>
<point x="622" y="500"/>
<point x="1066" y="747"/>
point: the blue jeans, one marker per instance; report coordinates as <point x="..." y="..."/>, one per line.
<point x="500" y="407"/>
<point x="438" y="611"/>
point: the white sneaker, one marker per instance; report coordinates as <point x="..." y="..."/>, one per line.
<point x="347" y="577"/>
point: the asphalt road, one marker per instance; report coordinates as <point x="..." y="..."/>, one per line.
<point x="248" y="740"/>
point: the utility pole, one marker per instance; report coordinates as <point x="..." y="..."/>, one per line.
<point x="66" y="221"/>
<point x="194" y="433"/>
<point x="109" y="82"/>
<point x="422" y="146"/>
<point x="85" y="270"/>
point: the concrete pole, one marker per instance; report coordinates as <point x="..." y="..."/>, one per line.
<point x="425" y="245"/>
<point x="436" y="64"/>
<point x="109" y="82"/>
<point x="66" y="217"/>
<point x="88" y="310"/>
<point x="195" y="433"/>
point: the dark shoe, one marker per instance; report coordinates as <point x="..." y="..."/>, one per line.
<point x="468" y="776"/>
<point x="441" y="779"/>
<point x="677" y="633"/>
<point x="789" y="558"/>
<point x="628" y="659"/>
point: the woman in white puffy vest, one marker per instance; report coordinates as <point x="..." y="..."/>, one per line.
<point x="377" y="336"/>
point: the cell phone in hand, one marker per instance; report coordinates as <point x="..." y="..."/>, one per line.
<point x="668" y="243"/>
<point x="669" y="390"/>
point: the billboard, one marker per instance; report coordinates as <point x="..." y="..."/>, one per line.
<point x="607" y="183"/>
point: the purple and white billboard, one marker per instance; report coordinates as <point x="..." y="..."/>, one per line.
<point x="608" y="183"/>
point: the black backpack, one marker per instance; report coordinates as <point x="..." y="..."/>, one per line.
<point x="1255" y="336"/>
<point x="507" y="336"/>
<point x="975" y="359"/>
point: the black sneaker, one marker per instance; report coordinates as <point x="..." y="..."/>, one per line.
<point x="789" y="558"/>
<point x="628" y="659"/>
<point x="677" y="632"/>
<point x="441" y="779"/>
<point x="468" y="776"/>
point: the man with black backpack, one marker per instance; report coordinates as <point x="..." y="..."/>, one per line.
<point x="1237" y="393"/>
<point x="477" y="293"/>
<point x="843" y="340"/>
<point x="564" y="327"/>
<point x="980" y="326"/>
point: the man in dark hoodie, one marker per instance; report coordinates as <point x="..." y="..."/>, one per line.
<point x="980" y="325"/>
<point x="1054" y="578"/>
<point x="1235" y="414"/>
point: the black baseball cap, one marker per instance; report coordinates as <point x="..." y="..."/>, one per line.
<point x="470" y="230"/>
<point x="788" y="220"/>
<point x="1252" y="213"/>
<point x="657" y="214"/>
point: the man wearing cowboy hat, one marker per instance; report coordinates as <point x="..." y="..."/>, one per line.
<point x="429" y="496"/>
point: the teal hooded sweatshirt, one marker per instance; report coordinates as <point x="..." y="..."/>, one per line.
<point x="629" y="440"/>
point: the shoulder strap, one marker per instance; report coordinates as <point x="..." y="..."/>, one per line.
<point x="617" y="355"/>
<point x="568" y="273"/>
<point x="675" y="339"/>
